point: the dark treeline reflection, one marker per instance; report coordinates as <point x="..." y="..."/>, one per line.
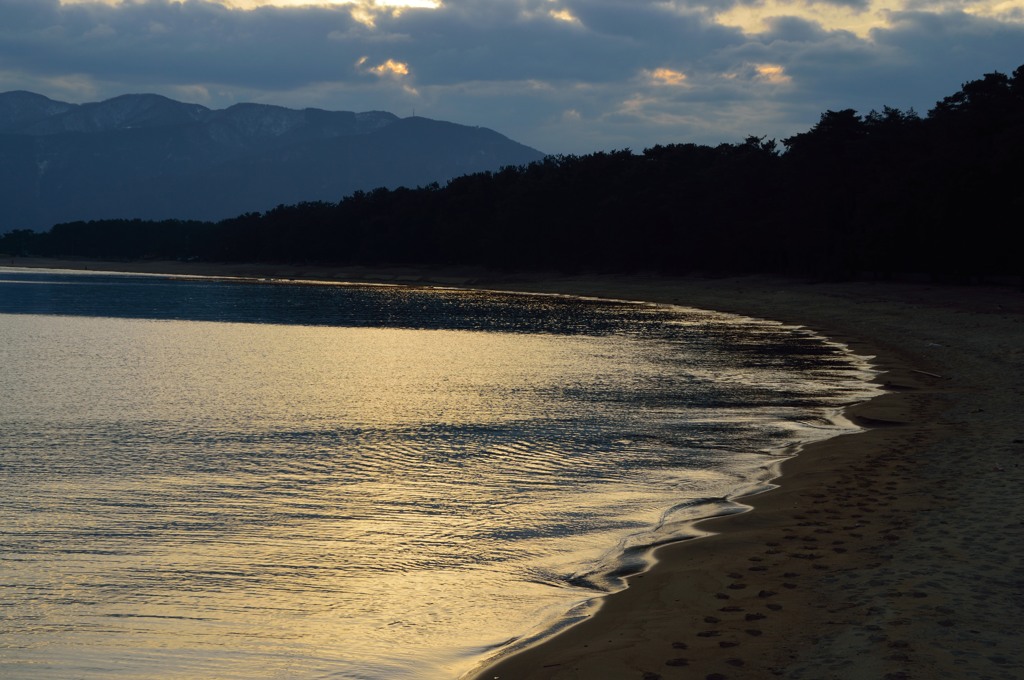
<point x="881" y="194"/>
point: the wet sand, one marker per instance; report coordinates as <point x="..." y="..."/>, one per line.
<point x="891" y="553"/>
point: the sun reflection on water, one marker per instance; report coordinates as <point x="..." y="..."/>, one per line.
<point x="195" y="499"/>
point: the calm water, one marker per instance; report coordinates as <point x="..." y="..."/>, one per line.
<point x="216" y="479"/>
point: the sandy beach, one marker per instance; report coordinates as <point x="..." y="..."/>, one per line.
<point x="891" y="553"/>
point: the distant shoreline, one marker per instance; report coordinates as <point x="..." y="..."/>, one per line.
<point x="875" y="557"/>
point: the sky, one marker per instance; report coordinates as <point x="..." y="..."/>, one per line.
<point x="563" y="76"/>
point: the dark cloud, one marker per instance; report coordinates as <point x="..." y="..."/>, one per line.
<point x="852" y="4"/>
<point x="918" y="60"/>
<point x="161" y="42"/>
<point x="794" y="30"/>
<point x="573" y="75"/>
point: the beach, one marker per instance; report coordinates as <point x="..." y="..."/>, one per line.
<point x="891" y="553"/>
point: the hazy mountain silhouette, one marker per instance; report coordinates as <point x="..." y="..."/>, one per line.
<point x="147" y="156"/>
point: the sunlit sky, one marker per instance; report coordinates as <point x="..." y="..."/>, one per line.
<point x="564" y="76"/>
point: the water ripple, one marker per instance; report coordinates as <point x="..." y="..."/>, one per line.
<point x="203" y="479"/>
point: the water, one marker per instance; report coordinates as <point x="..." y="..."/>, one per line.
<point x="206" y="478"/>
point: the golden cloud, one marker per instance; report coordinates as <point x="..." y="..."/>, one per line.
<point x="391" y="67"/>
<point x="772" y="73"/>
<point x="563" y="15"/>
<point x="667" y="76"/>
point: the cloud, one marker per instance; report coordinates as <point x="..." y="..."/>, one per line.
<point x="561" y="75"/>
<point x="387" y="68"/>
<point x="666" y="76"/>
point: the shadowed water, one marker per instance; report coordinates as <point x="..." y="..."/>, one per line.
<point x="205" y="478"/>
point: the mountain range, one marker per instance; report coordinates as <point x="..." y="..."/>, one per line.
<point x="147" y="156"/>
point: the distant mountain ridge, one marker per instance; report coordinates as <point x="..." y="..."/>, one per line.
<point x="151" y="157"/>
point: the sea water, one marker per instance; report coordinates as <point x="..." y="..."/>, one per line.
<point x="207" y="478"/>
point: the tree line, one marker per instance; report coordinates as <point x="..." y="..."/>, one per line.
<point x="883" y="194"/>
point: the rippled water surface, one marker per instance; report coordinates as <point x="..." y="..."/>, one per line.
<point x="216" y="479"/>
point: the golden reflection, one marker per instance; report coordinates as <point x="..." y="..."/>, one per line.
<point x="195" y="499"/>
<point x="328" y="484"/>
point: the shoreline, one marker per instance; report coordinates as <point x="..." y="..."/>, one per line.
<point x="889" y="553"/>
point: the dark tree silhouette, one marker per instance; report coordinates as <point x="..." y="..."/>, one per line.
<point x="883" y="194"/>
